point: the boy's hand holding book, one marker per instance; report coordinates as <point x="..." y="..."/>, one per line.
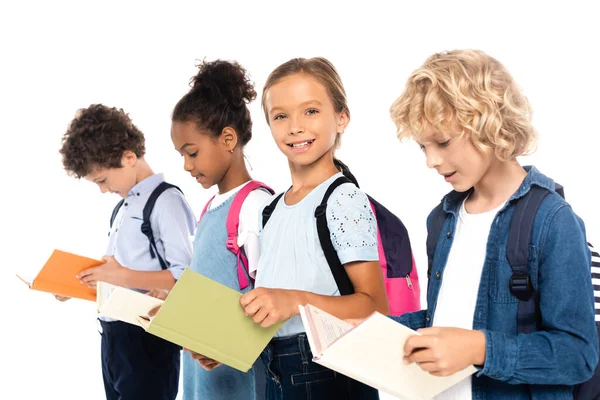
<point x="444" y="351"/>
<point x="111" y="272"/>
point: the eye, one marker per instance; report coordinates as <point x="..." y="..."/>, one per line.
<point x="279" y="116"/>
<point x="193" y="155"/>
<point x="422" y="147"/>
<point x="102" y="181"/>
<point x="312" y="111"/>
<point x="444" y="144"/>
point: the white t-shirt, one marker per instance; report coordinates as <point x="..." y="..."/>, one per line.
<point x="460" y="285"/>
<point x="248" y="230"/>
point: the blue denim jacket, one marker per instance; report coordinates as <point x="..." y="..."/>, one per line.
<point x="545" y="364"/>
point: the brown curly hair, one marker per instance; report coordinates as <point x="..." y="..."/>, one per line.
<point x="97" y="138"/>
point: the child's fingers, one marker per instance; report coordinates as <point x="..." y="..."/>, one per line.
<point x="260" y="316"/>
<point x="430" y="367"/>
<point x="61" y="298"/>
<point x="251" y="309"/>
<point x="421" y="356"/>
<point x="429" y="331"/>
<point x="209" y="365"/>
<point x="153" y="311"/>
<point x="85" y="273"/>
<point x="268" y="321"/>
<point x="248" y="298"/>
<point x="92" y="284"/>
<point x="416" y="342"/>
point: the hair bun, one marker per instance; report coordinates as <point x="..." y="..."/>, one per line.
<point x="223" y="82"/>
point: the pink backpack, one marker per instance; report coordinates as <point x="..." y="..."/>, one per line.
<point x="395" y="253"/>
<point x="233" y="223"/>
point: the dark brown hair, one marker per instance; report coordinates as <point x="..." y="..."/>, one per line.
<point x="218" y="98"/>
<point x="97" y="138"/>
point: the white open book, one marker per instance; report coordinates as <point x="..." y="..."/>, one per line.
<point x="123" y="304"/>
<point x="372" y="353"/>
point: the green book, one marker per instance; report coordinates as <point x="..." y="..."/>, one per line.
<point x="206" y="317"/>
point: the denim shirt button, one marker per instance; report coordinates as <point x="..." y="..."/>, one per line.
<point x="438" y="275"/>
<point x="427" y="318"/>
<point x="448" y="234"/>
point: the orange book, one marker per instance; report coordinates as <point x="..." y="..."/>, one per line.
<point x="58" y="276"/>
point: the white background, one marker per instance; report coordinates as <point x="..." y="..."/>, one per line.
<point x="57" y="57"/>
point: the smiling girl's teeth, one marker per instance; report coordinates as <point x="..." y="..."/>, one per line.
<point x="303" y="144"/>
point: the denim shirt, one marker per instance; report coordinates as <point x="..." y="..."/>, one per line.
<point x="547" y="363"/>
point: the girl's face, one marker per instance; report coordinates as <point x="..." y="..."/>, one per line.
<point x="456" y="158"/>
<point x="205" y="158"/>
<point x="302" y="119"/>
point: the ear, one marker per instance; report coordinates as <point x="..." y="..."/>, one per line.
<point x="129" y="159"/>
<point x="342" y="121"/>
<point x="229" y="138"/>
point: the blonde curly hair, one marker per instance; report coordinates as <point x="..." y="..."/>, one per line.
<point x="470" y="90"/>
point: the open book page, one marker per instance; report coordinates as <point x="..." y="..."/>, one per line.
<point x="126" y="305"/>
<point x="322" y="329"/>
<point x="24" y="281"/>
<point x="373" y="352"/>
<point x="103" y="292"/>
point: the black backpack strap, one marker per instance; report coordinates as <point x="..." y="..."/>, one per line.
<point x="116" y="211"/>
<point x="268" y="210"/>
<point x="436" y="223"/>
<point x="338" y="271"/>
<point x="517" y="252"/>
<point x="147" y="227"/>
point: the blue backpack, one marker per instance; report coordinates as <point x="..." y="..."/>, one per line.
<point x="517" y="252"/>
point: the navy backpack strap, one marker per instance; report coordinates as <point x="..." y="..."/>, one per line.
<point x="268" y="210"/>
<point x="147" y="227"/>
<point x="338" y="271"/>
<point x="116" y="211"/>
<point x="436" y="223"/>
<point x="517" y="252"/>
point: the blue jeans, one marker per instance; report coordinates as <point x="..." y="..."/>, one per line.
<point x="292" y="375"/>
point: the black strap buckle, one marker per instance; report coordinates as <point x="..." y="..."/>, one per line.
<point x="521" y="286"/>
<point x="320" y="210"/>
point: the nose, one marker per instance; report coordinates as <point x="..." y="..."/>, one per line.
<point x="103" y="188"/>
<point x="296" y="126"/>
<point x="187" y="164"/>
<point x="434" y="158"/>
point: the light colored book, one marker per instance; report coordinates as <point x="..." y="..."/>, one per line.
<point x="206" y="317"/>
<point x="123" y="304"/>
<point x="372" y="352"/>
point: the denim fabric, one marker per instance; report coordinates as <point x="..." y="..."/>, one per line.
<point x="545" y="364"/>
<point x="213" y="260"/>
<point x="292" y="375"/>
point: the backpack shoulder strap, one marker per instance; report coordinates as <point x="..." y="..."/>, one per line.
<point x="232" y="225"/>
<point x="268" y="210"/>
<point x="517" y="252"/>
<point x="436" y="223"/>
<point x="337" y="269"/>
<point x="146" y="226"/>
<point x="115" y="212"/>
<point x="205" y="208"/>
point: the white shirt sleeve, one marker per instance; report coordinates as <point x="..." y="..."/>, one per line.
<point x="248" y="229"/>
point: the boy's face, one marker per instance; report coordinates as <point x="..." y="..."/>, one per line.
<point x="455" y="158"/>
<point x="116" y="180"/>
<point x="302" y="118"/>
<point x="205" y="158"/>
